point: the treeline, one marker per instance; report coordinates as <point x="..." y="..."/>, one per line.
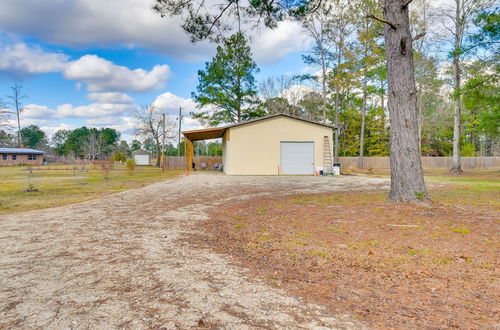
<point x="81" y="143"/>
<point x="97" y="144"/>
<point x="456" y="78"/>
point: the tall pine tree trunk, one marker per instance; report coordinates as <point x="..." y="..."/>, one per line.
<point x="407" y="180"/>
<point x="337" y="101"/>
<point x="456" y="162"/>
<point x="323" y="82"/>
<point x="363" y="119"/>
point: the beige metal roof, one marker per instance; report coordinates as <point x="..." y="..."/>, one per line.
<point x="218" y="132"/>
<point x="205" y="134"/>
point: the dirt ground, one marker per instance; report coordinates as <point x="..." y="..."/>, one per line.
<point x="126" y="261"/>
<point x="427" y="266"/>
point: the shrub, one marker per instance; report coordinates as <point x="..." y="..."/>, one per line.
<point x="130" y="166"/>
<point x="118" y="157"/>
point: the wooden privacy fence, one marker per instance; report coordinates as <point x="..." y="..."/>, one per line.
<point x="427" y="162"/>
<point x="179" y="163"/>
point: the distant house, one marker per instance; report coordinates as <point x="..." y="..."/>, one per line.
<point x="141" y="157"/>
<point x="19" y="156"/>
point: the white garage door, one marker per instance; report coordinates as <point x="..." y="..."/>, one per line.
<point x="297" y="157"/>
<point x="141" y="159"/>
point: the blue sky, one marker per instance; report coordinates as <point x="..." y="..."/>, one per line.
<point x="91" y="62"/>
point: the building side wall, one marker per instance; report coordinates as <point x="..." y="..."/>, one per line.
<point x="254" y="149"/>
<point x="21" y="159"/>
<point x="225" y="146"/>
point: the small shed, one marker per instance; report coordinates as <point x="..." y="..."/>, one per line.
<point x="20" y="156"/>
<point x="141" y="157"/>
<point x="278" y="144"/>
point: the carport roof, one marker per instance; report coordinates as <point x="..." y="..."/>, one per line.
<point x="218" y="132"/>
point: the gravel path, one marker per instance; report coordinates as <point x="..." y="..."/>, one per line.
<point x="118" y="262"/>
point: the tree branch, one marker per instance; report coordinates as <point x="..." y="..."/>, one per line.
<point x="219" y="16"/>
<point x="418" y="36"/>
<point x="406" y="3"/>
<point x="382" y="20"/>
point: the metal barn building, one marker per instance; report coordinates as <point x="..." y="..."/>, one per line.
<point x="274" y="145"/>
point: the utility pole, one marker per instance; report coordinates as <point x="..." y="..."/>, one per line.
<point x="163" y="146"/>
<point x="179" y="141"/>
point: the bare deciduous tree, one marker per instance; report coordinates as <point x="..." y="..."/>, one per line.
<point x="319" y="26"/>
<point x="92" y="145"/>
<point x="4" y="114"/>
<point x="152" y="124"/>
<point x="458" y="20"/>
<point x="16" y="103"/>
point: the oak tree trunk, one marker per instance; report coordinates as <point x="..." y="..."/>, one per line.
<point x="407" y="180"/>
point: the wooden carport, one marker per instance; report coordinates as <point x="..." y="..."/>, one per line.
<point x="198" y="135"/>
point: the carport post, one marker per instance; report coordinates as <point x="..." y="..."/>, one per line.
<point x="188" y="154"/>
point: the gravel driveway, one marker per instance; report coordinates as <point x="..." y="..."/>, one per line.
<point x="119" y="262"/>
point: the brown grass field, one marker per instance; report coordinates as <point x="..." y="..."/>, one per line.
<point x="65" y="184"/>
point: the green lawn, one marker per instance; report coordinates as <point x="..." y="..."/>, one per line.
<point x="65" y="184"/>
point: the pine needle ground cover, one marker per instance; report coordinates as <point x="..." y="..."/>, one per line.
<point x="65" y="184"/>
<point x="387" y="264"/>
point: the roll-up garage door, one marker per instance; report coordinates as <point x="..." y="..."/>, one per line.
<point x="141" y="159"/>
<point x="297" y="158"/>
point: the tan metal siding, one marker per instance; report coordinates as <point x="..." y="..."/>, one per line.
<point x="254" y="149"/>
<point x="225" y="159"/>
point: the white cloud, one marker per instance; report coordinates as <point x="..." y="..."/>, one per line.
<point x="35" y="111"/>
<point x="272" y="45"/>
<point x="119" y="116"/>
<point x="295" y="93"/>
<point x="170" y="103"/>
<point x="103" y="75"/>
<point x="24" y="59"/>
<point x="110" y="97"/>
<point x="51" y="128"/>
<point x="130" y="24"/>
<point x="94" y="110"/>
<point x="90" y="23"/>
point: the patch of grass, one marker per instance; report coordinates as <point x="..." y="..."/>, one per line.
<point x="260" y="211"/>
<point x="238" y="226"/>
<point x="339" y="199"/>
<point x="336" y="230"/>
<point x="62" y="184"/>
<point x="238" y="218"/>
<point x="303" y="235"/>
<point x="263" y="237"/>
<point x="298" y="242"/>
<point x="461" y="230"/>
<point x="412" y="252"/>
<point x="442" y="260"/>
<point x="317" y="253"/>
<point x="420" y="195"/>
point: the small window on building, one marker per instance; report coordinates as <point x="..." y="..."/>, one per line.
<point x="31" y="157"/>
<point x="4" y="157"/>
<point x="14" y="157"/>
